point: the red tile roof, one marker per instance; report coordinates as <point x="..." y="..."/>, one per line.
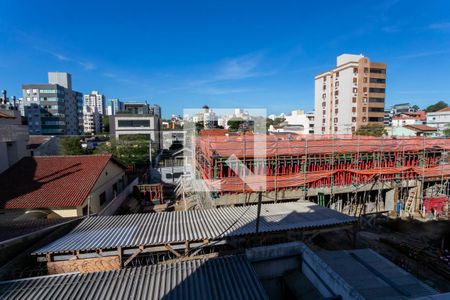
<point x="447" y="109"/>
<point x="420" y="127"/>
<point x="50" y="181"/>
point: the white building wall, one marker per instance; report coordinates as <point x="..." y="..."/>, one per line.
<point x="344" y="115"/>
<point x="439" y="120"/>
<point x="319" y="98"/>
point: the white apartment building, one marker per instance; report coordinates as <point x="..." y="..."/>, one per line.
<point x="439" y="119"/>
<point x="350" y="95"/>
<point x="302" y="120"/>
<point x="207" y="116"/>
<point x="92" y="120"/>
<point x="93" y="110"/>
<point x="97" y="100"/>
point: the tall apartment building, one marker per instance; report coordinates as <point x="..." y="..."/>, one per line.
<point x="350" y="95"/>
<point x="92" y="120"/>
<point x="115" y="106"/>
<point x="97" y="100"/>
<point x="53" y="108"/>
<point x="93" y="110"/>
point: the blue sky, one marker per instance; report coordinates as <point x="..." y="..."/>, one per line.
<point x="183" y="54"/>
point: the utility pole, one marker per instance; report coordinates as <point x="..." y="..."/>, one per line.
<point x="258" y="215"/>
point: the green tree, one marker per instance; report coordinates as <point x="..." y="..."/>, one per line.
<point x="437" y="106"/>
<point x="199" y="126"/>
<point x="447" y="130"/>
<point x="105" y="121"/>
<point x="371" y="130"/>
<point x="415" y="107"/>
<point x="71" y="146"/>
<point x="233" y="124"/>
<point x="132" y="150"/>
<point x="275" y="122"/>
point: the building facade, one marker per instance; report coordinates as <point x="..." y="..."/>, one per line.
<point x="115" y="106"/>
<point x="97" y="100"/>
<point x="53" y="108"/>
<point x="137" y="120"/>
<point x="93" y="110"/>
<point x="13" y="137"/>
<point x="92" y="120"/>
<point x="350" y="95"/>
<point x="439" y="120"/>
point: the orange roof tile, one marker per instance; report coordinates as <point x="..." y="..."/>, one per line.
<point x="50" y="181"/>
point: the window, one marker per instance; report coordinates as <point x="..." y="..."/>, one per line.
<point x="376" y="109"/>
<point x="324" y="104"/>
<point x="354" y="99"/>
<point x="378" y="71"/>
<point x="324" y="79"/>
<point x="323" y="128"/>
<point x="337" y="83"/>
<point x="376" y="90"/>
<point x="366" y="70"/>
<point x="365" y="79"/>
<point x="353" y="109"/>
<point x="364" y="119"/>
<point x="335" y="120"/>
<point x="364" y="109"/>
<point x="377" y="80"/>
<point x="133" y="123"/>
<point x="323" y="112"/>
<point x="28" y="92"/>
<point x="336" y="102"/>
<point x="376" y="100"/>
<point x="324" y="87"/>
<point x="355" y="90"/>
<point x="337" y="74"/>
<point x="365" y="90"/>
<point x="336" y="93"/>
<point x="365" y="100"/>
<point x="376" y="119"/>
<point x="353" y="119"/>
<point x="355" y="70"/>
<point x="102" y="198"/>
<point x="323" y="121"/>
<point x="35" y="98"/>
<point x="47" y="91"/>
<point x="353" y="128"/>
<point x="355" y="80"/>
<point x="336" y="111"/>
<point x="335" y="129"/>
<point x="114" y="189"/>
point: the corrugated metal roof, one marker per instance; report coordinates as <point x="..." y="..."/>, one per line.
<point x="229" y="277"/>
<point x="196" y="225"/>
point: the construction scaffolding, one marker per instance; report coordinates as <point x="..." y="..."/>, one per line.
<point x="286" y="162"/>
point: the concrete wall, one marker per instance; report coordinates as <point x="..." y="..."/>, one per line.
<point x="112" y="174"/>
<point x="110" y="208"/>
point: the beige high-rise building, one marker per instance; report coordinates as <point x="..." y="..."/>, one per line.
<point x="350" y="95"/>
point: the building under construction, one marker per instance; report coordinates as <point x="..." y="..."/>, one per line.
<point x="354" y="174"/>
